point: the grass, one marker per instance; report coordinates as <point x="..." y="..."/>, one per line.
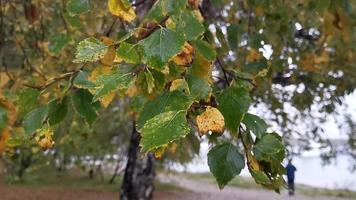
<point x="75" y="178"/>
<point x="248" y="183"/>
<point x="314" y="191"/>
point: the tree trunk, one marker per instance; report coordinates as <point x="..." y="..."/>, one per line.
<point x="138" y="183"/>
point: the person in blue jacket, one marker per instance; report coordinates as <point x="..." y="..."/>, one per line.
<point x="290" y="176"/>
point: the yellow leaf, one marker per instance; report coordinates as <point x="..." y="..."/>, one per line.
<point x="194" y="3"/>
<point x="211" y="120"/>
<point x="165" y="70"/>
<point x="185" y="57"/>
<point x="107" y="99"/>
<point x="132" y="90"/>
<point x="202" y="68"/>
<point x="122" y="9"/>
<point x="117" y="59"/>
<point x="11" y="110"/>
<point x="181" y="85"/>
<point x="253" y="163"/>
<point x="110" y="54"/>
<point x="5" y="135"/>
<point x="197" y="14"/>
<point x="173" y="148"/>
<point x="253" y="55"/>
<point x="44" y="138"/>
<point x="4" y="78"/>
<point x="103" y="70"/>
<point x="158" y="152"/>
<point x="170" y="24"/>
<point x="11" y="119"/>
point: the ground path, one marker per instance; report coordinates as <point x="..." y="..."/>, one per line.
<point x="209" y="191"/>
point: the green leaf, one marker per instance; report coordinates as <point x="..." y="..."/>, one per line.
<point x="150" y="81"/>
<point x="76" y="7"/>
<point x="128" y="52"/>
<point x="57" y="110"/>
<point x="199" y="89"/>
<point x="163" y="8"/>
<point x="155" y="14"/>
<point x="82" y="103"/>
<point x="90" y="50"/>
<point x="222" y="40"/>
<point x="268" y="148"/>
<point x="225" y="162"/>
<point x="260" y="177"/>
<point x="163" y="129"/>
<point x="27" y="101"/>
<point x="3" y="118"/>
<point x="167" y="101"/>
<point x="14" y="142"/>
<point x="187" y="24"/>
<point x="161" y="46"/>
<point x="58" y="42"/>
<point x="73" y="21"/>
<point x="205" y="49"/>
<point x="174" y="6"/>
<point x="257" y="125"/>
<point x="111" y="82"/>
<point x="34" y="120"/>
<point x="81" y="80"/>
<point x="234" y="32"/>
<point x="233" y="104"/>
<point x="254" y="68"/>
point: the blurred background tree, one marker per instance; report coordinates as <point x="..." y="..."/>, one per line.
<point x="299" y="59"/>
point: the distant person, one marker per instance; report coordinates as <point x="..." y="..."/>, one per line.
<point x="290" y="176"/>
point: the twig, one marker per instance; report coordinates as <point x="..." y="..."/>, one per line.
<point x="223" y="70"/>
<point x="107" y="33"/>
<point x="52" y="81"/>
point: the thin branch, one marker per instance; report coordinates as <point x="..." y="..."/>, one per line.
<point x="223" y="70"/>
<point x="111" y="28"/>
<point x="53" y="80"/>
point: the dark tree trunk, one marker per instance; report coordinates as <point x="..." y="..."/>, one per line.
<point x="138" y="183"/>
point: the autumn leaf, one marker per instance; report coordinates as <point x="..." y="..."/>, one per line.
<point x="8" y="118"/>
<point x="180" y="85"/>
<point x="122" y="9"/>
<point x="185" y="57"/>
<point x="194" y="3"/>
<point x="110" y="54"/>
<point x="253" y="55"/>
<point x="103" y="70"/>
<point x="211" y="120"/>
<point x="44" y="137"/>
